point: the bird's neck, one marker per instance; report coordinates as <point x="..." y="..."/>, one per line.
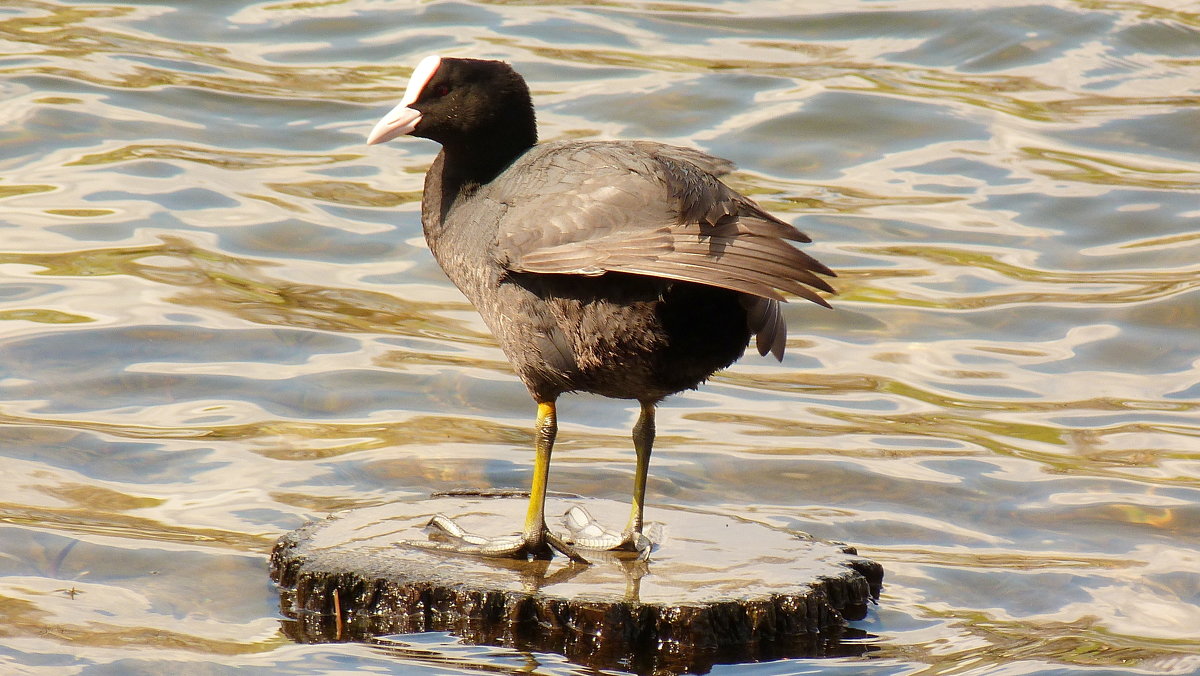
<point x="476" y="158"/>
<point x="480" y="157"/>
<point x="464" y="166"/>
<point x="474" y="164"/>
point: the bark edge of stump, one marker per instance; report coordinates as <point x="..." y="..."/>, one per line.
<point x="717" y="589"/>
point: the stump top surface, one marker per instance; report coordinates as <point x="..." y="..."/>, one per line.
<point x="699" y="558"/>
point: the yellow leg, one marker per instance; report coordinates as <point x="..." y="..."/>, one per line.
<point x="643" y="442"/>
<point x="588" y="534"/>
<point x="536" y="540"/>
<point x="543" y="444"/>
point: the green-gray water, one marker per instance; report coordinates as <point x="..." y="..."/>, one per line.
<point x="219" y="319"/>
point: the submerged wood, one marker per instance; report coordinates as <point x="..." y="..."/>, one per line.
<point x="715" y="589"/>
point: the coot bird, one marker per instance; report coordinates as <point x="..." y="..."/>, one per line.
<point x="623" y="268"/>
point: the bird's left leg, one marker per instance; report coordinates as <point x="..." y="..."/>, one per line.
<point x="536" y="541"/>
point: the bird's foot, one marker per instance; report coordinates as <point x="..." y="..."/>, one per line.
<point x="446" y="535"/>
<point x="587" y="533"/>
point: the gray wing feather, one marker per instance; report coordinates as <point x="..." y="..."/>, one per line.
<point x="587" y="208"/>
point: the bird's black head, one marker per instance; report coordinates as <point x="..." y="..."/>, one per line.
<point x="469" y="104"/>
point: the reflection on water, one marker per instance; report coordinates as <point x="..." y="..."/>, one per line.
<point x="218" y="319"/>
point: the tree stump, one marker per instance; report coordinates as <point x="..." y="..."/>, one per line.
<point x="715" y="588"/>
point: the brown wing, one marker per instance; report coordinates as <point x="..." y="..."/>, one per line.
<point x="650" y="209"/>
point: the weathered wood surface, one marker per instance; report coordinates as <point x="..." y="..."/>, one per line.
<point x="716" y="588"/>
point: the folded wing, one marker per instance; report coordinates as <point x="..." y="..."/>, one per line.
<point x="651" y="209"/>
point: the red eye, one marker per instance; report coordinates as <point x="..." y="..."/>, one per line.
<point x="440" y="90"/>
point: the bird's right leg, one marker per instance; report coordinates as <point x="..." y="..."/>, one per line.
<point x="589" y="534"/>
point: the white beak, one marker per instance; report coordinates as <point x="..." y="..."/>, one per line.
<point x="403" y="120"/>
<point x="399" y="121"/>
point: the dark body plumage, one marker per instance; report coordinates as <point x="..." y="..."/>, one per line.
<point x="622" y="268"/>
<point x="559" y="255"/>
